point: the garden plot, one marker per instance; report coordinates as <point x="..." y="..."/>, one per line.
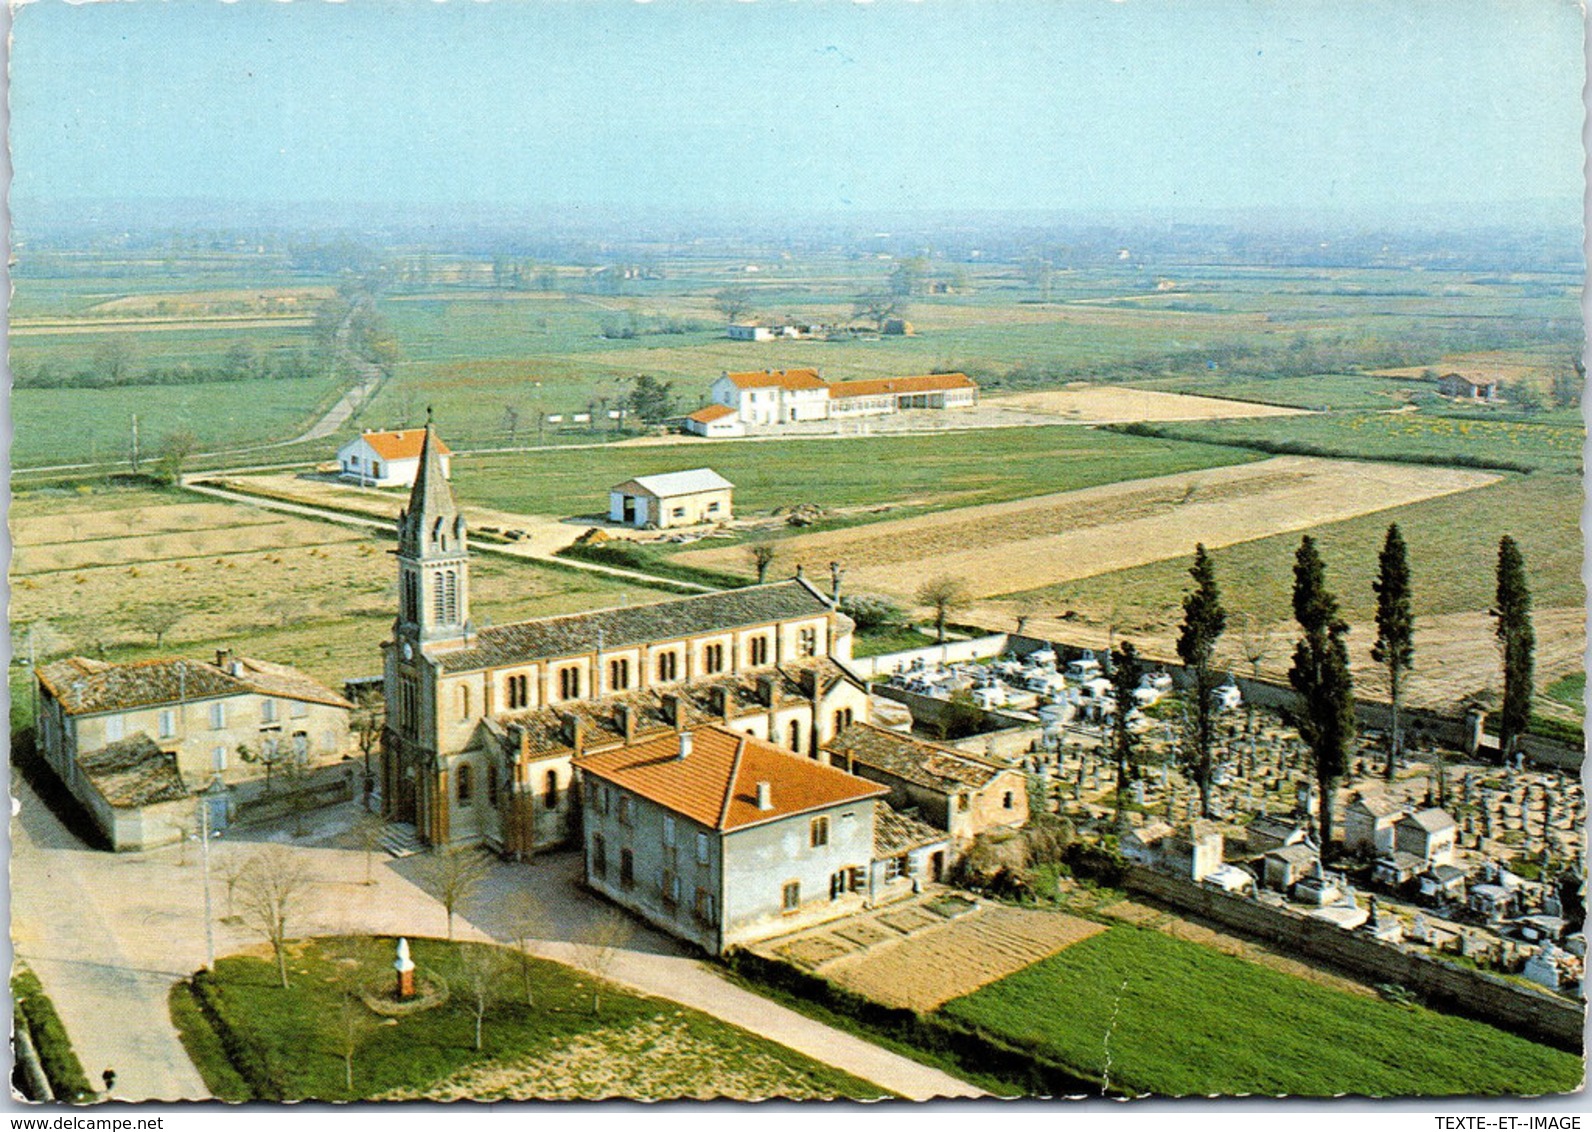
<point x="1028" y="543"/>
<point x="933" y="966"/>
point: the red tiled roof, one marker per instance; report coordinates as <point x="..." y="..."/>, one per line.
<point x="403" y="445"/>
<point x="917" y="383"/>
<point x="711" y="413"/>
<point x="777" y="378"/>
<point x="716" y="784"/>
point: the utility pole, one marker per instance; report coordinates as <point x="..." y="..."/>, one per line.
<point x="210" y="931"/>
<point x="135" y="444"/>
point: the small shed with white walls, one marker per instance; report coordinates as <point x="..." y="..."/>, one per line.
<point x="672" y="499"/>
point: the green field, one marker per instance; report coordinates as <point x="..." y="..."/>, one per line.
<point x="1160" y="1015"/>
<point x="60" y="426"/>
<point x="908" y="473"/>
<point x="638" y="1047"/>
<point x="1453" y="546"/>
<point x="1571" y="692"/>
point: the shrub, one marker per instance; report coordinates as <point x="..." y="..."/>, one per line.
<point x="871" y="611"/>
<point x="57" y="1057"/>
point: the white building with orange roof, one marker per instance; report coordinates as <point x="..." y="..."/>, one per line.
<point x="773" y="396"/>
<point x="721" y="838"/>
<point x="893" y="394"/>
<point x="715" y="421"/>
<point x="388" y="459"/>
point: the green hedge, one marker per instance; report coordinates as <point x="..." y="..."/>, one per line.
<point x="247" y="1059"/>
<point x="1301" y="448"/>
<point x="974" y="1050"/>
<point x="61" y="1067"/>
<point x="1570" y="734"/>
<point x="625" y="555"/>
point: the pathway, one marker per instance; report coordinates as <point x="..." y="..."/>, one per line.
<point x="109" y="933"/>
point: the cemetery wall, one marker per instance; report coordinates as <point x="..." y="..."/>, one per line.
<point x="1533" y="1013"/>
<point x="951" y="652"/>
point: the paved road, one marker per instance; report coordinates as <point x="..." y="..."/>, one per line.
<point x="109" y="933"/>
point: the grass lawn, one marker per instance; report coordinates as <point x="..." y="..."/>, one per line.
<point x="955" y="470"/>
<point x="895" y="638"/>
<point x="1570" y="691"/>
<point x="1451" y="537"/>
<point x="1162" y="1015"/>
<point x="558" y="1048"/>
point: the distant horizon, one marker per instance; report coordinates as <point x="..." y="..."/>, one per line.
<point x="1149" y="109"/>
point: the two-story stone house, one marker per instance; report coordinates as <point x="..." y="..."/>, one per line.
<point x="719" y="837"/>
<point x="196" y="721"/>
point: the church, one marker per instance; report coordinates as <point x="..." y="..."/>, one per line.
<point x="486" y="727"/>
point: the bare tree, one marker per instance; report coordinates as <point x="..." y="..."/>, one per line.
<point x="455" y="873"/>
<point x="273" y="891"/>
<point x="349" y="1028"/>
<point x="528" y="920"/>
<point x="174" y="450"/>
<point x="479" y="969"/>
<point x="368" y="828"/>
<point x="367" y="720"/>
<point x="1255" y="640"/>
<point x="158" y="618"/>
<point x="944" y="595"/>
<point x="232" y="867"/>
<point x="599" y="946"/>
<point x="511" y="422"/>
<point x="733" y="302"/>
<point x="877" y="306"/>
<point x="762" y="555"/>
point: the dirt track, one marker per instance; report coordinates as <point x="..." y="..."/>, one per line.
<point x="1115" y="404"/>
<point x="1027" y="543"/>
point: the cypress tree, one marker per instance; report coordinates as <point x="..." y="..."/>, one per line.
<point x="1320" y="674"/>
<point x="1125" y="673"/>
<point x="1512" y="609"/>
<point x="1203" y="622"/>
<point x="1395" y="630"/>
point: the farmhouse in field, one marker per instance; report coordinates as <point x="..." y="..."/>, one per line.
<point x="486" y="726"/>
<point x="765" y="397"/>
<point x="672" y="499"/>
<point x="769" y="397"/>
<point x="387" y="459"/>
<point x="715" y="421"/>
<point x="133" y="742"/>
<point x="1463" y="388"/>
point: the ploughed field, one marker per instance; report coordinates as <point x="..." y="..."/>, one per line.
<point x="1112" y="404"/>
<point x="1028" y="543"/>
<point x="1154" y="1014"/>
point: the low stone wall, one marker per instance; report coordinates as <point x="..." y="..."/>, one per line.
<point x="1535" y="1014"/>
<point x="932" y="713"/>
<point x="951" y="652"/>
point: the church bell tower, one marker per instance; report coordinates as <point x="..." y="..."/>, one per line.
<point x="433" y="557"/>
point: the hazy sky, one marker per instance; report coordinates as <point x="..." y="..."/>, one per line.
<point x="1074" y="104"/>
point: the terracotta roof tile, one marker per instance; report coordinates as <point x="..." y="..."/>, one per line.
<point x="917" y="383"/>
<point x="711" y="413"/>
<point x="777" y="379"/>
<point x="895" y="833"/>
<point x="715" y="785"/>
<point x="401" y="445"/>
<point x="85" y="687"/>
<point x="930" y="765"/>
<point x="134" y="772"/>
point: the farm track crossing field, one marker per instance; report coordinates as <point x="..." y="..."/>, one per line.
<point x="932" y="967"/>
<point x="1004" y="547"/>
<point x="1117" y="404"/>
<point x="1164" y="1016"/>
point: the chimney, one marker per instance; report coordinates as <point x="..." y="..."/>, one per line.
<point x="765" y="796"/>
<point x="573" y="731"/>
<point x="835" y="576"/>
<point x="685" y="745"/>
<point x="721" y="701"/>
<point x="625" y="717"/>
<point x="673" y="709"/>
<point x="768" y="689"/>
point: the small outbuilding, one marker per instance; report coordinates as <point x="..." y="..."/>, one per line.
<point x="1368" y="822"/>
<point x="1464" y="388"/>
<point x="388" y="459"/>
<point x="673" y="499"/>
<point x="715" y="421"/>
